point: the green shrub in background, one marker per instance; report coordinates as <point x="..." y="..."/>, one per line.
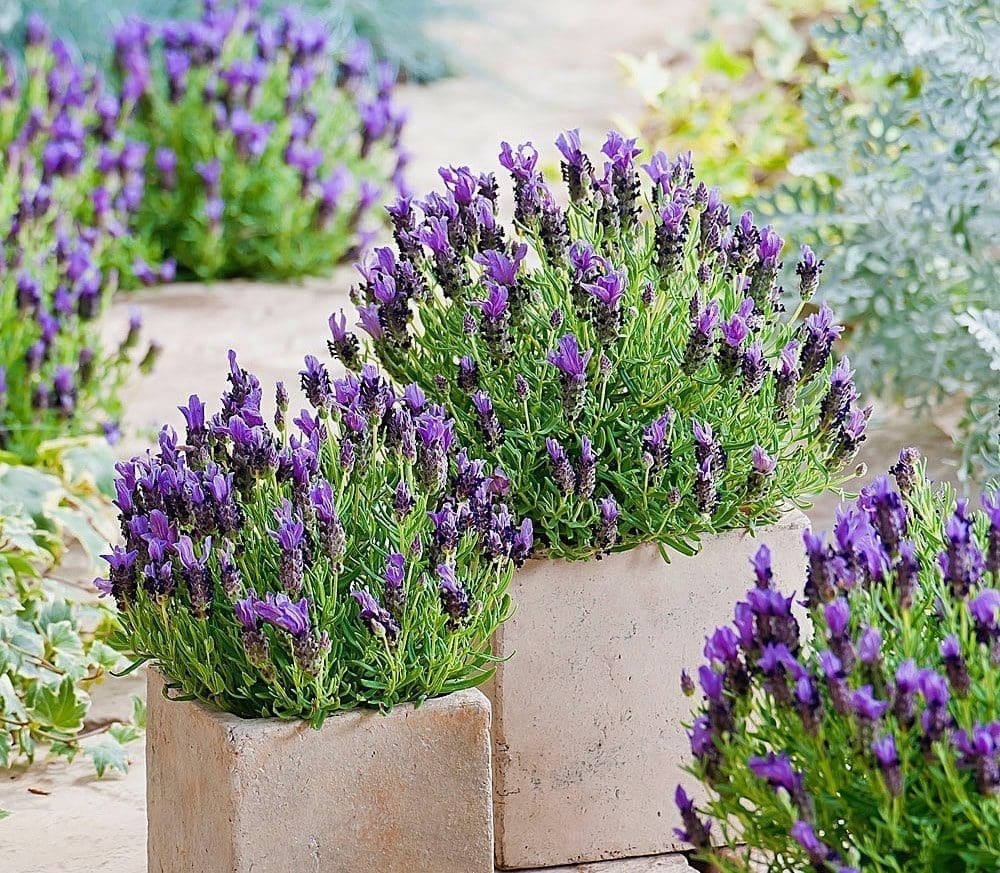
<point x="902" y="167"/>
<point x="267" y="148"/>
<point x="398" y="30"/>
<point x="732" y="97"/>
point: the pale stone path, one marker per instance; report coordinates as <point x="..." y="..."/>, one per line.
<point x="534" y="68"/>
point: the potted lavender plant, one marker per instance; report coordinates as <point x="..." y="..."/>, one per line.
<point x="630" y="362"/>
<point x="343" y="571"/>
<point x="268" y="146"/>
<point x="876" y="744"/>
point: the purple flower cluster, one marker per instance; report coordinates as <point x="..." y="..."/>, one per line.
<point x="66" y="240"/>
<point x="270" y="91"/>
<point x="910" y="723"/>
<point x="234" y="508"/>
<point x="562" y="324"/>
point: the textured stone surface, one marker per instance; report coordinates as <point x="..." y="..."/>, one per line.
<point x="672" y="863"/>
<point x="587" y="711"/>
<point x="396" y="794"/>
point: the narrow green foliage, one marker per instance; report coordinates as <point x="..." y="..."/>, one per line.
<point x="874" y="744"/>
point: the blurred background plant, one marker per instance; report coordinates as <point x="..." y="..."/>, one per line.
<point x="54" y="637"/>
<point x="268" y="147"/>
<point x="898" y="185"/>
<point x="398" y="30"/>
<point x="70" y="188"/>
<point x="732" y="97"/>
<point x="876" y="131"/>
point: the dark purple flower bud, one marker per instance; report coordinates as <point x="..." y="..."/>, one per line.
<point x="935" y="719"/>
<point x="572" y="366"/>
<point x="379" y="620"/>
<point x="290" y="536"/>
<point x="980" y="752"/>
<point x="955" y="666"/>
<point x="316" y="383"/>
<point x="808" y="270"/>
<point x="819" y="333"/>
<point x="394" y="593"/>
<point x="696" y="832"/>
<point x="991" y="504"/>
<point x="454" y="597"/>
<point x="905" y="470"/>
<point x="607" y="530"/>
<point x="701" y="339"/>
<point x="778" y="772"/>
<point x="487" y="420"/>
<point x="837" y="682"/>
<point x="836" y="403"/>
<point x="984" y="608"/>
<point x="802" y="832"/>
<point x="576" y="166"/>
<point x="656" y="442"/>
<point x="962" y="562"/>
<point x="468" y="374"/>
<point x="586" y="470"/>
<point x="562" y="469"/>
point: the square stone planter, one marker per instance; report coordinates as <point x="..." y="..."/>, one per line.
<point x="588" y="741"/>
<point x="402" y="793"/>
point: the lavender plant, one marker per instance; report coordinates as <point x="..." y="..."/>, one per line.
<point x="355" y="557"/>
<point x="630" y="362"/>
<point x="876" y="744"/>
<point x="268" y="149"/>
<point x="72" y="183"/>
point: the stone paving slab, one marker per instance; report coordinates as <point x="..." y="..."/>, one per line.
<point x="649" y="864"/>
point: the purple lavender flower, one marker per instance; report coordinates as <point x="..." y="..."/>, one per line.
<point x="700" y="341"/>
<point x="572" y="366"/>
<point x="808" y="271"/>
<point x="656" y="442"/>
<point x="487" y="420"/>
<point x="562" y="469"/>
<point x="819" y="332"/>
<point x="607" y="529"/>
<point x="290" y="536"/>
<point x="379" y="620"/>
<point x="962" y="561"/>
<point x="955" y="666"/>
<point x="576" y="165"/>
<point x="454" y="597"/>
<point x="696" y="832"/>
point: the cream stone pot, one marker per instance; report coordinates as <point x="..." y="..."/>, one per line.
<point x="588" y="741"/>
<point x="399" y="793"/>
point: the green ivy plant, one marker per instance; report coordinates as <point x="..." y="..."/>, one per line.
<point x="54" y="640"/>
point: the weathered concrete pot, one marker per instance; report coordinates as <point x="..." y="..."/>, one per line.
<point x="401" y="793"/>
<point x="588" y="740"/>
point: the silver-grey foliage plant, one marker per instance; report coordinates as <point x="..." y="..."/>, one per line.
<point x="904" y="129"/>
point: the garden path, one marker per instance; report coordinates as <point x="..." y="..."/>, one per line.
<point x="533" y="68"/>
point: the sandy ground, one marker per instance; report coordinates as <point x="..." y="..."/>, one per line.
<point x="532" y="70"/>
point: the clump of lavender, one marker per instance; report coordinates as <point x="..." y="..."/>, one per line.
<point x="267" y="145"/>
<point x="75" y="181"/>
<point x="314" y="566"/>
<point x="875" y="744"/>
<point x="640" y="322"/>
